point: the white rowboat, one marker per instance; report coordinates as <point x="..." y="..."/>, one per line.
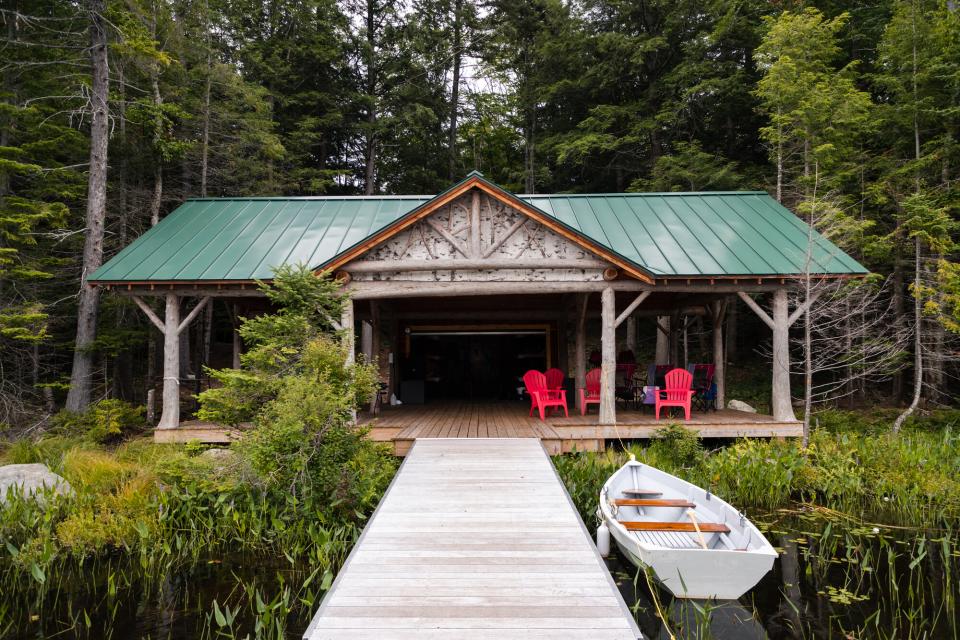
<point x="697" y="545"/>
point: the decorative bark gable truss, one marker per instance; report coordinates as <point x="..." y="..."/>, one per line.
<point x="477" y="237"/>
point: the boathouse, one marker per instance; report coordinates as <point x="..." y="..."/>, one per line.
<point x="456" y="295"/>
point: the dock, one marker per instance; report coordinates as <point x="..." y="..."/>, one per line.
<point x="403" y="425"/>
<point x="475" y="539"/>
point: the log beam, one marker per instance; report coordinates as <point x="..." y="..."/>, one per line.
<point x="466" y="264"/>
<point x="631" y="308"/>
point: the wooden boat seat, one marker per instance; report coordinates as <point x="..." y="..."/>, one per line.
<point x="649" y="502"/>
<point x="687" y="527"/>
<point x="641" y="492"/>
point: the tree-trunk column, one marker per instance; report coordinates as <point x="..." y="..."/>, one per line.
<point x="663" y="340"/>
<point x="780" y="392"/>
<point x="719" y="361"/>
<point x="170" y="418"/>
<point x="346" y="323"/>
<point x="580" y="374"/>
<point x="608" y="316"/>
<point x="632" y="335"/>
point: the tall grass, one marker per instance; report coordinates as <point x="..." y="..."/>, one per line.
<point x="147" y="522"/>
<point x="867" y="523"/>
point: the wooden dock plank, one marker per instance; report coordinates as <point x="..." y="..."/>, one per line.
<point x="476" y="539"/>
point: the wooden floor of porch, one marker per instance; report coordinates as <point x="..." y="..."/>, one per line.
<point x="401" y="425"/>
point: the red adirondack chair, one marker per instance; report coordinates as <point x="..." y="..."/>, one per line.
<point x="542" y="397"/>
<point x="590" y="393"/>
<point x="555" y="379"/>
<point x="677" y="392"/>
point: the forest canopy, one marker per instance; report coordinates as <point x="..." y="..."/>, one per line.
<point x="114" y="112"/>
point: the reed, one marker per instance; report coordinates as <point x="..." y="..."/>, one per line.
<point x="868" y="526"/>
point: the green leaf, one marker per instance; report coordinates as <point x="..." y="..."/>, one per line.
<point x="327" y="580"/>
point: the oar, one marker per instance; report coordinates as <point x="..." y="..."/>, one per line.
<point x="696" y="525"/>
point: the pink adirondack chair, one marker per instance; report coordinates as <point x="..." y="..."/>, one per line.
<point x="554" y="379"/>
<point x="677" y="392"/>
<point x="590" y="393"/>
<point x="541" y="397"/>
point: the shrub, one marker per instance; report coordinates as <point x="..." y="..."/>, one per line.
<point x="105" y="421"/>
<point x="676" y="446"/>
<point x="299" y="392"/>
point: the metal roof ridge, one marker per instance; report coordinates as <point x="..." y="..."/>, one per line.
<point x="641" y="194"/>
<point x="308" y="198"/>
<point x="424" y="196"/>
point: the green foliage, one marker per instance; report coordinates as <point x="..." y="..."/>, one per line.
<point x="853" y="464"/>
<point x="299" y="393"/>
<point x="679" y="446"/>
<point x="104" y="421"/>
<point x="690" y="168"/>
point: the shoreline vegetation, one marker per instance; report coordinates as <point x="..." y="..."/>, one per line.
<point x="866" y="521"/>
<point x="147" y="521"/>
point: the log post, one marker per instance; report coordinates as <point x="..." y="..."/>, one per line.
<point x="375" y="348"/>
<point x="663" y="340"/>
<point x="608" y="350"/>
<point x="237" y="345"/>
<point x="346" y="324"/>
<point x="632" y="335"/>
<point x="580" y="374"/>
<point x="780" y="403"/>
<point x="780" y="392"/>
<point x="674" y="357"/>
<point x="719" y="359"/>
<point x="170" y="416"/>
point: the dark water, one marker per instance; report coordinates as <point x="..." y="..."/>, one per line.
<point x="832" y="580"/>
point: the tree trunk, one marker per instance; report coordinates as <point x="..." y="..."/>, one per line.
<point x="455" y="87"/>
<point x="917" y="342"/>
<point x="157" y="198"/>
<point x="89" y="297"/>
<point x="205" y="141"/>
<point x="370" y="174"/>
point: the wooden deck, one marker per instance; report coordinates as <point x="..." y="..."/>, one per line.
<point x="403" y="424"/>
<point x="474" y="539"/>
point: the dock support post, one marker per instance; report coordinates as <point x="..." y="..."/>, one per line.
<point x="608" y="350"/>
<point x="580" y="374"/>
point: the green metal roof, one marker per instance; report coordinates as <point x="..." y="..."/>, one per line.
<point x="665" y="234"/>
